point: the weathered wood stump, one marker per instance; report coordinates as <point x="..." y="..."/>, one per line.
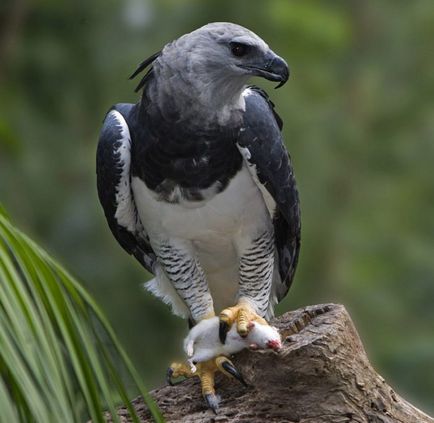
<point x="321" y="375"/>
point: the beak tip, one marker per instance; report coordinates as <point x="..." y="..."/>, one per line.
<point x="280" y="68"/>
<point x="282" y="82"/>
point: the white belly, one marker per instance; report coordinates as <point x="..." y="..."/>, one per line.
<point x="215" y="228"/>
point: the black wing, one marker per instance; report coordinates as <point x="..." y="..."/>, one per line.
<point x="260" y="141"/>
<point x="113" y="161"/>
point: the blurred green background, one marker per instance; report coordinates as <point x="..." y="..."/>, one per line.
<point x="359" y="123"/>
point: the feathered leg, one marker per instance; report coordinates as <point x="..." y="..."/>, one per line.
<point x="256" y="275"/>
<point x="183" y="269"/>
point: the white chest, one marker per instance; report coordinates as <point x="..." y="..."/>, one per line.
<point x="208" y="222"/>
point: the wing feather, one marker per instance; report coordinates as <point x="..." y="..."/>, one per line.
<point x="113" y="166"/>
<point x="261" y="144"/>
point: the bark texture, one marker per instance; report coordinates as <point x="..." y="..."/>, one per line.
<point x="322" y="374"/>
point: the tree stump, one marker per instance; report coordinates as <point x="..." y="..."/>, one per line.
<point x="321" y="375"/>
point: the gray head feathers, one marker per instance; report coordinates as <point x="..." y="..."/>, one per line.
<point x="209" y="67"/>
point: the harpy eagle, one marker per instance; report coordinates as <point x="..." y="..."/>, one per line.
<point x="196" y="183"/>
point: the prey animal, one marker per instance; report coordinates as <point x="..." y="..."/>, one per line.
<point x="203" y="342"/>
<point x="196" y="183"/>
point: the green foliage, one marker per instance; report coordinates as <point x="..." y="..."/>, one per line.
<point x="56" y="346"/>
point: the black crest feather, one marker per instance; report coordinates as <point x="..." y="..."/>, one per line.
<point x="142" y="66"/>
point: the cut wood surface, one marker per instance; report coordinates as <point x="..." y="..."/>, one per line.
<point x="322" y="374"/>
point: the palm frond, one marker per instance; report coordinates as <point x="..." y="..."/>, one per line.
<point x="59" y="356"/>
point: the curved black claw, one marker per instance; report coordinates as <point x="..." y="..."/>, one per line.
<point x="223" y="331"/>
<point x="212" y="402"/>
<point x="232" y="370"/>
<point x="169" y="374"/>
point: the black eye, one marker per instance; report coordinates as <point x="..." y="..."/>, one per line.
<point x="239" y="49"/>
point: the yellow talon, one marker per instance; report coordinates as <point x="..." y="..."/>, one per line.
<point x="207" y="382"/>
<point x="243" y="314"/>
<point x="206" y="372"/>
<point x="178" y="370"/>
<point x="243" y="322"/>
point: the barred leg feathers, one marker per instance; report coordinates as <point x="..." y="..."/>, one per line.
<point x="257" y="268"/>
<point x="276" y="288"/>
<point x="162" y="288"/>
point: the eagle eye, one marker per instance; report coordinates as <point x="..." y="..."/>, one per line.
<point x="239" y="49"/>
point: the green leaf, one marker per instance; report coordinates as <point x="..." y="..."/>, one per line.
<point x="59" y="357"/>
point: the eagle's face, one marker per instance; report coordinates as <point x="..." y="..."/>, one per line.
<point x="250" y="59"/>
<point x="226" y="53"/>
<point x="244" y="54"/>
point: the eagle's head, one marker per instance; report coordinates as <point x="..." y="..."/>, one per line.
<point x="222" y="51"/>
<point x="210" y="66"/>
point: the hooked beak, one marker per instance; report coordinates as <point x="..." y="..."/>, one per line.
<point x="273" y="68"/>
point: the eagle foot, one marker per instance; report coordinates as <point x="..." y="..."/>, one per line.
<point x="243" y="314"/>
<point x="176" y="370"/>
<point x="206" y="373"/>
